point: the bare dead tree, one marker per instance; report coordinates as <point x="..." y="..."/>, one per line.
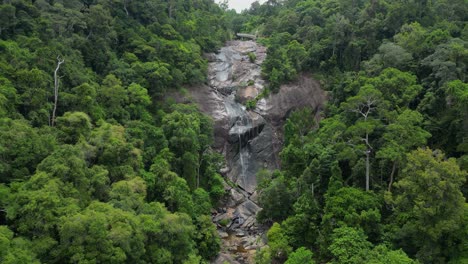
<point x="125" y="6"/>
<point x="56" y="87"/>
<point x="364" y="104"/>
<point x="364" y="109"/>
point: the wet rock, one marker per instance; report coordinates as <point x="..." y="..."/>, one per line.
<point x="247" y="209"/>
<point x="251" y="247"/>
<point x="223" y="234"/>
<point x="221" y="210"/>
<point x="248" y="241"/>
<point x="249" y="222"/>
<point x="249" y="140"/>
<point x="220" y="217"/>
<point x="224" y="170"/>
<point x="212" y="103"/>
<point x="240" y="234"/>
<point x="210" y="57"/>
<point x="225" y="258"/>
<point x="254" y="197"/>
<point x="235" y="198"/>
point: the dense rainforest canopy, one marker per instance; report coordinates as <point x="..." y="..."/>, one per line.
<point x="382" y="177"/>
<point x="95" y="167"/>
<point x="108" y="172"/>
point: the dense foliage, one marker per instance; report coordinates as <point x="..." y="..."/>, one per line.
<point x="382" y="177"/>
<point x="94" y="168"/>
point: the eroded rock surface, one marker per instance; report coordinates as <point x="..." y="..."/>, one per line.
<point x="250" y="140"/>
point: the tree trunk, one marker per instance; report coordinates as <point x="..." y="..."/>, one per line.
<point x="368" y="151"/>
<point x="169" y="8"/>
<point x="56" y="87"/>
<point x="198" y="174"/>
<point x="391" y="177"/>
<point x="367" y="169"/>
<point x="125" y="7"/>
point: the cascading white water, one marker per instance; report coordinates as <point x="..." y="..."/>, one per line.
<point x="241" y="128"/>
<point x="241" y="158"/>
<point x="230" y="73"/>
<point x="233" y="80"/>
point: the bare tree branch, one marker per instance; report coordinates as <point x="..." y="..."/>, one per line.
<point x="56" y="87"/>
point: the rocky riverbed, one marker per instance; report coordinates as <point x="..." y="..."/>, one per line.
<point x="250" y="140"/>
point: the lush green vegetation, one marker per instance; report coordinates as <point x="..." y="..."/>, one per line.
<point x="106" y="173"/>
<point x="382" y="178"/>
<point x="96" y="168"/>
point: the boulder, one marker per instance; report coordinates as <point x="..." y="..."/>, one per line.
<point x="224" y="258"/>
<point x="247" y="93"/>
<point x="235" y="198"/>
<point x="246" y="209"/>
<point x="223" y="234"/>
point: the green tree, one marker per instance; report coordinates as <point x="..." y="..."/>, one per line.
<point x="8" y="98"/>
<point x="73" y="126"/>
<point x="35" y="209"/>
<point x="138" y="100"/>
<point x="448" y="62"/>
<point x="176" y="233"/>
<point x="389" y="55"/>
<point x="428" y="205"/>
<point x="22" y="148"/>
<point x="299" y="256"/>
<point x="263" y="256"/>
<point x="296" y="54"/>
<point x="349" y="245"/>
<point x="146" y="137"/>
<point x="207" y="238"/>
<point x="7" y="11"/>
<point x="33" y="88"/>
<point x="68" y="164"/>
<point x="352" y="207"/>
<point x="113" y="97"/>
<point x="397" y="87"/>
<point x="83" y="98"/>
<point x="276" y="199"/>
<point x="400" y="137"/>
<point x="382" y="254"/>
<point x="128" y="195"/>
<point x="410" y="37"/>
<point x="112" y="150"/>
<point x="278" y="242"/>
<point x="364" y="104"/>
<point x="101" y="233"/>
<point x="15" y="250"/>
<point x="166" y="186"/>
<point x="457" y="101"/>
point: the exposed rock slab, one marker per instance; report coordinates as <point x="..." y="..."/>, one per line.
<point x="305" y="92"/>
<point x="250" y="140"/>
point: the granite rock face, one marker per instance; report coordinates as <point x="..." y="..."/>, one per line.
<point x="250" y="140"/>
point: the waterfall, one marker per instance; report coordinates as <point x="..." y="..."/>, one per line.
<point x="246" y="146"/>
<point x="249" y="139"/>
<point x="241" y="158"/>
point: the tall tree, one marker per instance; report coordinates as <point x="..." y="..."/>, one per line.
<point x="429" y="206"/>
<point x="364" y="104"/>
<point x="56" y="89"/>
<point x="400" y="137"/>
